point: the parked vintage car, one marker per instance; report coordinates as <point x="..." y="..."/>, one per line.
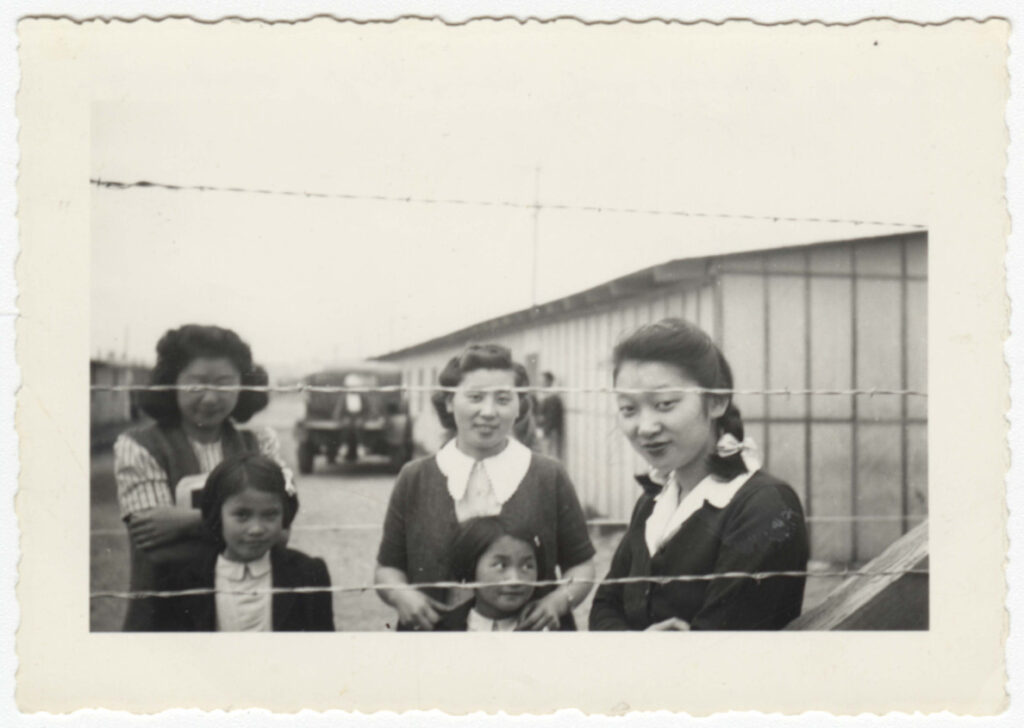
<point x="378" y="422"/>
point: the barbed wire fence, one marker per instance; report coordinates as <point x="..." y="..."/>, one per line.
<point x="122" y="185"/>
<point x="594" y="522"/>
<point x="540" y="583"/>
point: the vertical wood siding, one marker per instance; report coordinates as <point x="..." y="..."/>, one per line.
<point x="828" y="317"/>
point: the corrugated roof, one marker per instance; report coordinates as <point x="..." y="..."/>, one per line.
<point x="664" y="275"/>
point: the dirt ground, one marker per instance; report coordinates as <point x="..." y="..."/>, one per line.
<point x="352" y="495"/>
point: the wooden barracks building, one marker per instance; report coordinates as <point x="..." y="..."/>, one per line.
<point x="838" y="315"/>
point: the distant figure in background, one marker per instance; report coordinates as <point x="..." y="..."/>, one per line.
<point x="551" y="419"/>
<point x="525" y="428"/>
<point x="161" y="467"/>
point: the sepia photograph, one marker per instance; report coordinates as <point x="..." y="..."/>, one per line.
<point x="422" y="362"/>
<point x="390" y="329"/>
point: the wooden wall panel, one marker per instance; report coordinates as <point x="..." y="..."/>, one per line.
<point x="830" y="260"/>
<point x="831" y="477"/>
<point x="831" y="345"/>
<point x="917" y="347"/>
<point x="879" y="486"/>
<point x="878" y="258"/>
<point x="786" y="452"/>
<point x="743" y="337"/>
<point x="879" y="347"/>
<point x="787" y="345"/>
<point x="917" y="470"/>
<point x="786" y="261"/>
<point x="917" y="257"/>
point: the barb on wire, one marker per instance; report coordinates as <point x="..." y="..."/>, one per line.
<point x="325" y="389"/>
<point x="660" y="580"/>
<point x="408" y="199"/>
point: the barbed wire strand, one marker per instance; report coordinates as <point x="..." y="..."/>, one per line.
<point x="510" y="204"/>
<point x="593" y="523"/>
<point x="660" y="580"/>
<point x="395" y="388"/>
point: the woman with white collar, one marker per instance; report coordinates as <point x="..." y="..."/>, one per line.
<point x="482" y="471"/>
<point x="706" y="508"/>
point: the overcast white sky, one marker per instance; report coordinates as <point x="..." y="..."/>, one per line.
<point x="428" y="112"/>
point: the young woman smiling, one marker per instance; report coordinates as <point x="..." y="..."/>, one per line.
<point x="706" y="508"/>
<point x="482" y="471"/>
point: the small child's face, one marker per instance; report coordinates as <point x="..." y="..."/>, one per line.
<point x="252" y="522"/>
<point x="507" y="559"/>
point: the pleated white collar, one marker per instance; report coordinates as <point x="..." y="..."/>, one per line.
<point x="505" y="470"/>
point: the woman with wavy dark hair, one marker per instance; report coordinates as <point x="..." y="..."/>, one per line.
<point x="482" y="471"/>
<point x="161" y="466"/>
<point x="706" y="508"/>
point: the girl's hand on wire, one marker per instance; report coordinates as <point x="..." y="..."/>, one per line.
<point x="545" y="613"/>
<point x="416" y="609"/>
<point x="672" y="624"/>
<point x="162" y="525"/>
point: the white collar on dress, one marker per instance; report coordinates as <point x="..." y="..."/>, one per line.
<point x="476" y="622"/>
<point x="235" y="570"/>
<point x="505" y="470"/>
<point x="661" y="526"/>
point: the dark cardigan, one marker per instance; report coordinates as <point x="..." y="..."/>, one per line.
<point x="421" y="524"/>
<point x="290" y="612"/>
<point x="761" y="529"/>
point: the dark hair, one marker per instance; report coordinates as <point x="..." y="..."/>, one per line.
<point x="548" y="377"/>
<point x="231" y="477"/>
<point x="477" y="535"/>
<point x="685" y="345"/>
<point x="178" y="348"/>
<point x="473" y="357"/>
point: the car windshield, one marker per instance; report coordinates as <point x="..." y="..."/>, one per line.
<point x="329" y="405"/>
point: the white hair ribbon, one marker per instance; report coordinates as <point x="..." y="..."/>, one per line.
<point x="728" y="446"/>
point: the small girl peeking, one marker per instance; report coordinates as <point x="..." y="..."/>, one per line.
<point x="488" y="551"/>
<point x="245" y="507"/>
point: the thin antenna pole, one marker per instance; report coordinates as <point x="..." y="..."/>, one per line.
<point x="536" y="231"/>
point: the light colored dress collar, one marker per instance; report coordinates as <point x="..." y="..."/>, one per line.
<point x="671" y="512"/>
<point x="240" y="571"/>
<point x="505" y="470"/>
<point x="476" y="622"/>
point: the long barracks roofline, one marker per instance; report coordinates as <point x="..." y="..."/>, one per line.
<point x="645" y="280"/>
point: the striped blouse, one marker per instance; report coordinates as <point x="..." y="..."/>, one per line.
<point x="142" y="483"/>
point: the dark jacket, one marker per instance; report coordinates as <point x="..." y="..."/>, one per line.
<point x="457" y="620"/>
<point x="761" y="529"/>
<point x="290" y="612"/>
